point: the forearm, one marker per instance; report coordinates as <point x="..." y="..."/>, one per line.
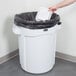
<point x="65" y="3"/>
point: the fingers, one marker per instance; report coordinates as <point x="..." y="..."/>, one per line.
<point x="53" y="8"/>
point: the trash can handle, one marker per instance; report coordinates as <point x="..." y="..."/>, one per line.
<point x="59" y="23"/>
<point x="16" y="30"/>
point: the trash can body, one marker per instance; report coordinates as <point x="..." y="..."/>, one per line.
<point x="37" y="54"/>
<point x="37" y="48"/>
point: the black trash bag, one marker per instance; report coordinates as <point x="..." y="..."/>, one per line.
<point x="27" y="20"/>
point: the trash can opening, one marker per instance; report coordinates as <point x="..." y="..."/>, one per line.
<point x="27" y="20"/>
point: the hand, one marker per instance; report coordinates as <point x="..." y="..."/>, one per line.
<point x="53" y="8"/>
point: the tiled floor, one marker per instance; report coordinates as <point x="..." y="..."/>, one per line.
<point x="61" y="68"/>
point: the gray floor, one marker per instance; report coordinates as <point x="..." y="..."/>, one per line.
<point x="61" y="68"/>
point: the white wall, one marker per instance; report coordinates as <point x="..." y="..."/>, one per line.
<point x="8" y="41"/>
<point x="66" y="39"/>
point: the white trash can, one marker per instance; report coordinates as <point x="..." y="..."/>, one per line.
<point x="37" y="48"/>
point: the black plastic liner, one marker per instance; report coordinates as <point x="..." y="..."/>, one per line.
<point x="27" y="20"/>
